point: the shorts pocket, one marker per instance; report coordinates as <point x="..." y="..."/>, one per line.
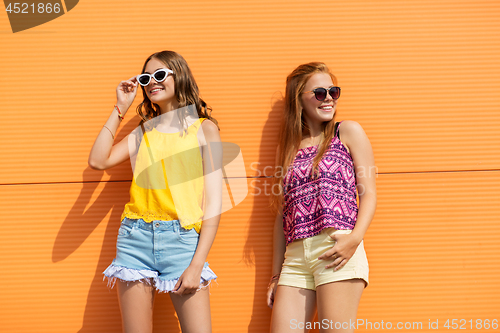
<point x="188" y="236"/>
<point x="328" y="240"/>
<point x="125" y="230"/>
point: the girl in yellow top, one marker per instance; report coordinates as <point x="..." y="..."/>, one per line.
<point x="170" y="223"/>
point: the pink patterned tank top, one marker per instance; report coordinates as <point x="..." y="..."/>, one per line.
<point x="328" y="201"/>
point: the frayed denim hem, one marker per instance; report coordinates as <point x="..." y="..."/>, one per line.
<point x="113" y="272"/>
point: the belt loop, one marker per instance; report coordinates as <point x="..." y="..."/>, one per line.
<point x="129" y="222"/>
<point x="137" y="224"/>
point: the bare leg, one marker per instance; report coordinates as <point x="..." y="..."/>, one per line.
<point x="193" y="311"/>
<point x="136" y="305"/>
<point x="292" y="309"/>
<point x="338" y="304"/>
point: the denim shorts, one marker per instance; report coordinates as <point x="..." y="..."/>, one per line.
<point x="156" y="253"/>
<point x="302" y="269"/>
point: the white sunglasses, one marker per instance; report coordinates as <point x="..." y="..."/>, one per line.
<point x="159" y="76"/>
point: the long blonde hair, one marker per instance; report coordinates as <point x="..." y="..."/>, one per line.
<point x="293" y="124"/>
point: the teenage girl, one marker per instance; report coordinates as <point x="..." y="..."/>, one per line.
<point x="319" y="262"/>
<point x="170" y="223"/>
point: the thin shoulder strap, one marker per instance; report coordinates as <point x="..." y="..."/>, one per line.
<point x="201" y="120"/>
<point x="337" y="129"/>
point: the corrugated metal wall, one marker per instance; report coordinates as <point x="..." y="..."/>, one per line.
<point x="422" y="77"/>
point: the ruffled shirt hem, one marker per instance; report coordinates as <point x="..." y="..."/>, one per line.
<point x="150" y="217"/>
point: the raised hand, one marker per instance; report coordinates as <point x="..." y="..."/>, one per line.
<point x="125" y="93"/>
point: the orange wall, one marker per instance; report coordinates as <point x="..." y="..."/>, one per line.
<point x="421" y="77"/>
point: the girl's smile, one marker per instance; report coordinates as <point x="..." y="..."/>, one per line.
<point x="161" y="93"/>
<point x="156" y="90"/>
<point x="317" y="112"/>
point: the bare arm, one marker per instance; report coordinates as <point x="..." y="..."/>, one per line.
<point x="104" y="154"/>
<point x="279" y="245"/>
<point x="354" y="137"/>
<point x="364" y="166"/>
<point x="279" y="248"/>
<point x="212" y="162"/>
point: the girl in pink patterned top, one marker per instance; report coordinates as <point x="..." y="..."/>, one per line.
<point x="319" y="262"/>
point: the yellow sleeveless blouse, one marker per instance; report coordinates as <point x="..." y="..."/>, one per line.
<point x="168" y="178"/>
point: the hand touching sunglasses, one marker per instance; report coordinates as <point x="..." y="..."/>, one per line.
<point x="159" y="76"/>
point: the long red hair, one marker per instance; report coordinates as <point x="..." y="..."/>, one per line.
<point x="293" y="125"/>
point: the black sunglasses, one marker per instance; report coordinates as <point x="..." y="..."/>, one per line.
<point x="320" y="93"/>
<point x="159" y="76"/>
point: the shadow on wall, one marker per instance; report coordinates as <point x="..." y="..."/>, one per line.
<point x="258" y="246"/>
<point x="102" y="313"/>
